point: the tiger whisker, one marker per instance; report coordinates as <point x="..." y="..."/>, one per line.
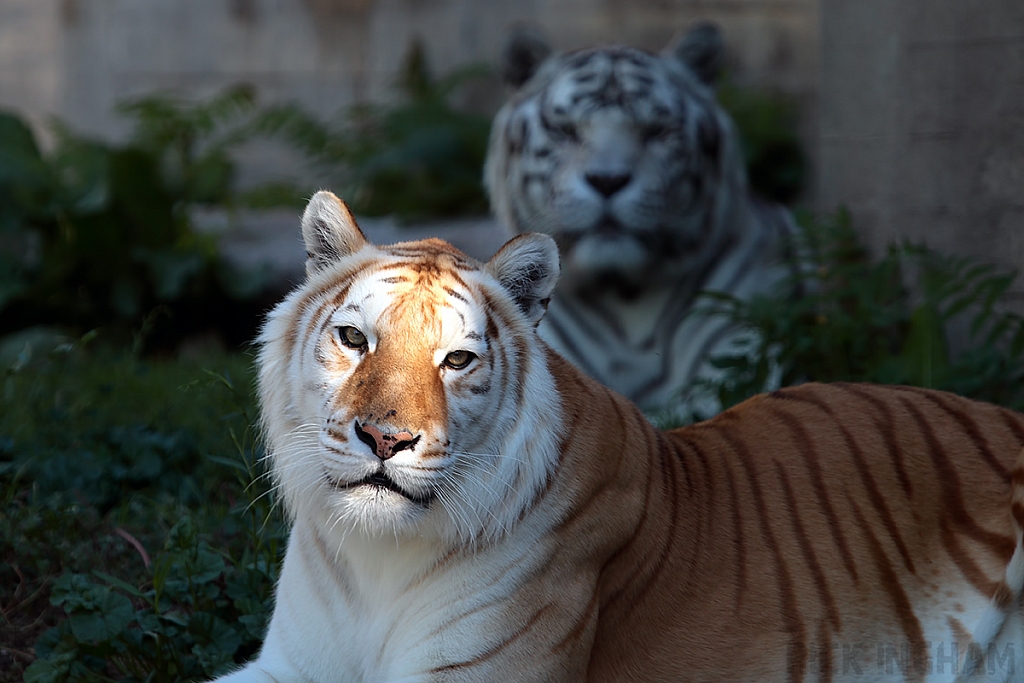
<point x="503" y="456"/>
<point x="463" y="525"/>
<point x="482" y="467"/>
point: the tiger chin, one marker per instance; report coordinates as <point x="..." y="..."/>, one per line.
<point x="465" y="505"/>
<point x="628" y="161"/>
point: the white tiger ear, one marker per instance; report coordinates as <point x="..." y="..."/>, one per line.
<point x="527" y="267"/>
<point x="330" y="231"/>
<point x="524" y="52"/>
<point x="702" y="49"/>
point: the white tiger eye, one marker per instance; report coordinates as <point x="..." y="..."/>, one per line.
<point x="456" y="360"/>
<point x="656" y="131"/>
<point x="351" y="337"/>
<point x="567" y="130"/>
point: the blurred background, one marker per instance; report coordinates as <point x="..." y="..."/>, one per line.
<point x="908" y="114"/>
<point x="154" y="159"/>
<point x="77" y="58"/>
<point x="910" y="111"/>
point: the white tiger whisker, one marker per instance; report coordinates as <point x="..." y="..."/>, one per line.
<point x="478" y="503"/>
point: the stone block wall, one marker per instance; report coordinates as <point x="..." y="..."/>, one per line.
<point x="76" y="58"/>
<point x="922" y="122"/>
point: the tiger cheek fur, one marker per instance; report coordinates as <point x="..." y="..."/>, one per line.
<point x="467" y="506"/>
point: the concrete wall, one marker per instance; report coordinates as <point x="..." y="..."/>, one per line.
<point x="921" y="127"/>
<point x="76" y="58"/>
<point x="922" y="122"/>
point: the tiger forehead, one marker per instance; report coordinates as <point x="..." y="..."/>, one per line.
<point x="633" y="81"/>
<point x="431" y="254"/>
<point x="423" y="280"/>
<point x="614" y="55"/>
<point x="425" y="285"/>
<point x="424" y="275"/>
<point x="429" y="265"/>
<point x="600" y="69"/>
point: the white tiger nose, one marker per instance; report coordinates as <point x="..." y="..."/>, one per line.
<point x="608" y="183"/>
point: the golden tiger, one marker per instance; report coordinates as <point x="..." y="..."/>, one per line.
<point x="468" y="506"/>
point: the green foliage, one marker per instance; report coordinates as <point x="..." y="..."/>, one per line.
<point x="100" y="235"/>
<point x="189" y="620"/>
<point x="418" y="159"/>
<point x="192" y="143"/>
<point x="101" y="458"/>
<point x="888" y="320"/>
<point x="767" y="124"/>
<point x="422" y="158"/>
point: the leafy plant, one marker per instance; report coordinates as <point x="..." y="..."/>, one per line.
<point x="864" y="320"/>
<point x="422" y="158"/>
<point x="418" y="159"/>
<point x="198" y="610"/>
<point x="767" y="125"/>
<point x="101" y="235"/>
<point x="101" y="458"/>
<point x="192" y="142"/>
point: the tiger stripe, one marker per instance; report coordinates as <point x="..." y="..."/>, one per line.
<point x="808" y="568"/>
<point x="908" y="621"/>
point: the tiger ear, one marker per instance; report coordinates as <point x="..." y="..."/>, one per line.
<point x="524" y="52"/>
<point x="330" y="231"/>
<point x="702" y="49"/>
<point x="527" y="267"/>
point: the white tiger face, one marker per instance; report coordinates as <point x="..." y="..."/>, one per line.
<point x="619" y="155"/>
<point x="391" y="381"/>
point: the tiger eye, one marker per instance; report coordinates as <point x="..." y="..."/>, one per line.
<point x="351" y="337"/>
<point x="656" y="131"/>
<point x="568" y="131"/>
<point x="457" y="360"/>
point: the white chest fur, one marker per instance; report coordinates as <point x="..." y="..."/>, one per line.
<point x="376" y="610"/>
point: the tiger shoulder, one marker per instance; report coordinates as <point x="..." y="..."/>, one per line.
<point x="466" y="505"/>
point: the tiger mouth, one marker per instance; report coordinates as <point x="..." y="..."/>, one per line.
<point x="609" y="227"/>
<point x="381" y="480"/>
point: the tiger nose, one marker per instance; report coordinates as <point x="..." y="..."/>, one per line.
<point x="608" y="183"/>
<point x="383" y="444"/>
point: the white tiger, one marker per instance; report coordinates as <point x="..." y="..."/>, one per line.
<point x="628" y="161"/>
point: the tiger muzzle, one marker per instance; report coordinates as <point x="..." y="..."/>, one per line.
<point x="385" y="444"/>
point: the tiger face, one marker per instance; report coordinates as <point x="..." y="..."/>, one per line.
<point x="620" y="155"/>
<point x="390" y="382"/>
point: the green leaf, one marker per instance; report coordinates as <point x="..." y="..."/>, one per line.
<point x="255" y="625"/>
<point x="176" y="617"/>
<point x="70" y="590"/>
<point x="20" y="160"/>
<point x="111" y="613"/>
<point x="51" y="670"/>
<point x="229" y="462"/>
<point x="119" y="583"/>
<point x="171" y="270"/>
<point x="82" y="169"/>
<point x="216" y="642"/>
<point x="182" y="535"/>
<point x="207" y="566"/>
<point x="140" y="195"/>
<point x="924" y="350"/>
